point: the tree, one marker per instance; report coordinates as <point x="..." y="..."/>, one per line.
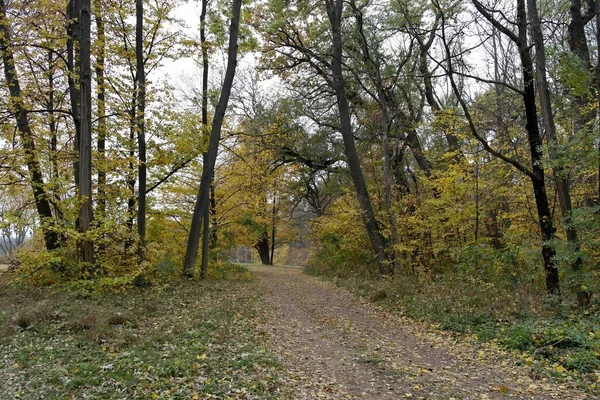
<point x="206" y="222"/>
<point x="560" y="175"/>
<point x="202" y="199"/>
<point x="141" y="126"/>
<point x="536" y="173"/>
<point x="86" y="216"/>
<point x="17" y="107"/>
<point x="334" y="12"/>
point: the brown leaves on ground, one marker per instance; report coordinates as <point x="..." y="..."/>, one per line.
<point x="335" y="346"/>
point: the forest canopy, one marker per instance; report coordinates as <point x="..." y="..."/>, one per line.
<point x="358" y="138"/>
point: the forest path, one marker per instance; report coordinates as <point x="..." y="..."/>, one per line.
<point x="334" y="345"/>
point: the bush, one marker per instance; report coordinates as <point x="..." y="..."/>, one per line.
<point x="228" y="271"/>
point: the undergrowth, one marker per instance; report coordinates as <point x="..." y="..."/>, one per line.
<point x="554" y="338"/>
<point x="186" y="340"/>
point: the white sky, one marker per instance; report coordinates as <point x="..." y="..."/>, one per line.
<point x="175" y="71"/>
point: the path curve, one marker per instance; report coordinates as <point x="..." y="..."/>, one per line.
<point x="334" y="345"/>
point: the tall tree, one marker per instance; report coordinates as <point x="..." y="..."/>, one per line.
<point x="204" y="48"/>
<point x="543" y="90"/>
<point x="335" y="12"/>
<point x="140" y="125"/>
<point x="101" y="99"/>
<point x="74" y="68"/>
<point x="536" y="173"/>
<point x="86" y="215"/>
<point x="36" y="178"/>
<point x="202" y="199"/>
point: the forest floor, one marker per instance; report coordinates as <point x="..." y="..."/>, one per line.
<point x="334" y="345"/>
<point x="278" y="334"/>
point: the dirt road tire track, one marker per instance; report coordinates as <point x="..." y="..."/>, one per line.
<point x="334" y="345"/>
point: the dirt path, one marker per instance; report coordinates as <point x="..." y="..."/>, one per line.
<point x="336" y="346"/>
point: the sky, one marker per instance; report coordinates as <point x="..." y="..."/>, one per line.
<point x="177" y="72"/>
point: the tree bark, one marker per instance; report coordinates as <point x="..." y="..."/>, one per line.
<point x="204" y="46"/>
<point x="202" y="199"/>
<point x="373" y="65"/>
<point x="205" y="243"/>
<point x="141" y="127"/>
<point x="262" y="246"/>
<point x="536" y="174"/>
<point x="131" y="176"/>
<point x="273" y="229"/>
<point x="42" y="203"/>
<point x="101" y="98"/>
<point x="52" y="126"/>
<point x="598" y="85"/>
<point x="74" y="68"/>
<point x="86" y="216"/>
<point x="560" y="175"/>
<point x="334" y="11"/>
<point x="535" y="147"/>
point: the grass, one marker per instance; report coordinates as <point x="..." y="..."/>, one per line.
<point x="557" y="342"/>
<point x="191" y="340"/>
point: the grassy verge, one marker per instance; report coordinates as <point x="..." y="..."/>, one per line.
<point x="558" y="343"/>
<point x="191" y="340"/>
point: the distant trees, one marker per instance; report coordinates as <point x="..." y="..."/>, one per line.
<point x="50" y="86"/>
<point x="394" y="67"/>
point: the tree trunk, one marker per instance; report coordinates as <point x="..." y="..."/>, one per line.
<point x="51" y="236"/>
<point x="273" y="229"/>
<point x="74" y="68"/>
<point x="560" y="175"/>
<point x="86" y="216"/>
<point x="535" y="146"/>
<point x="213" y="214"/>
<point x="424" y="46"/>
<point x="334" y="11"/>
<point x="141" y="127"/>
<point x="536" y="174"/>
<point x="598" y="85"/>
<point x="205" y="243"/>
<point x="101" y="97"/>
<point x="52" y="126"/>
<point x="397" y="160"/>
<point x="202" y="199"/>
<point x="131" y="177"/>
<point x="373" y="65"/>
<point x="206" y="225"/>
<point x="262" y="246"/>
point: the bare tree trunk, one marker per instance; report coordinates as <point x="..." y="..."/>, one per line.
<point x="536" y="173"/>
<point x="141" y="127"/>
<point x="213" y="214"/>
<point x="202" y="199"/>
<point x="374" y="65"/>
<point x="42" y="203"/>
<point x="131" y="176"/>
<point x="334" y="11"/>
<point x="262" y="246"/>
<point x="560" y="175"/>
<point x="204" y="45"/>
<point x="535" y="146"/>
<point x="273" y="229"/>
<point x="598" y="83"/>
<point x="101" y="97"/>
<point x="74" y="69"/>
<point x="86" y="216"/>
<point x="205" y="243"/>
<point x="53" y="130"/>
<point x="424" y="46"/>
